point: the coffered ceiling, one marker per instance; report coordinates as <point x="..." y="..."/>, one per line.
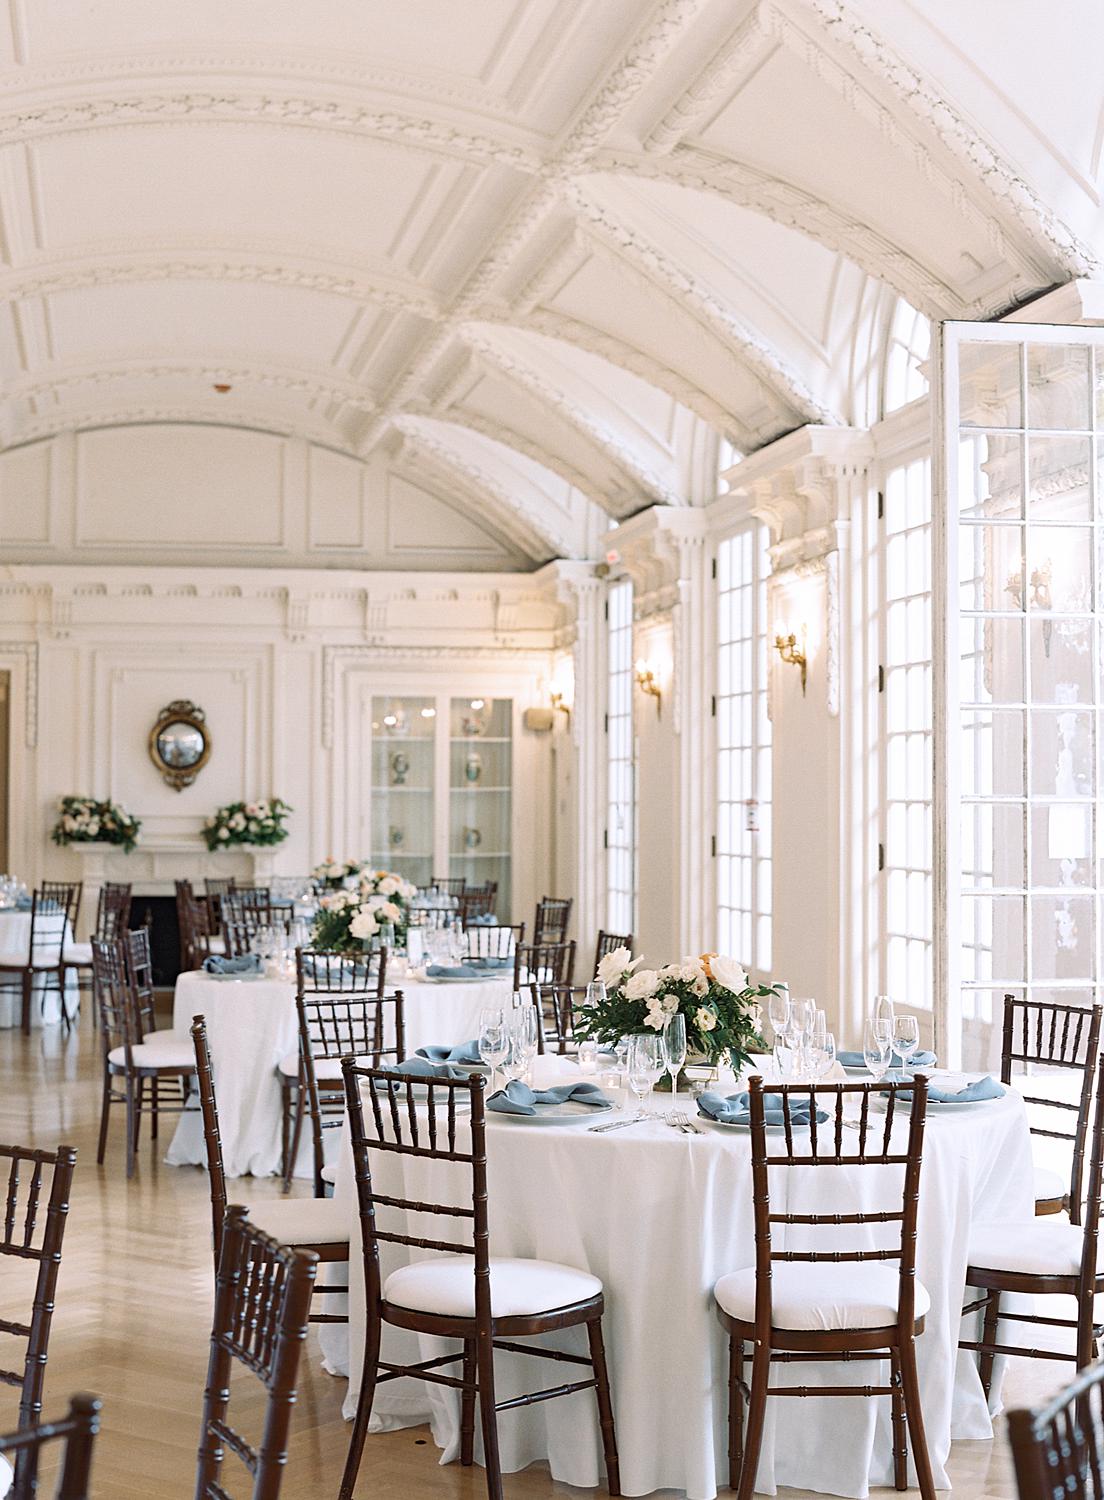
<point x="546" y="250"/>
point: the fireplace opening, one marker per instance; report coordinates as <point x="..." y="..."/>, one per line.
<point x="158" y="913"/>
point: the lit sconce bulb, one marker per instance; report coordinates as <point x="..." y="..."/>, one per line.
<point x="390" y="720"/>
<point x="477" y="703"/>
<point x="429" y="713"/>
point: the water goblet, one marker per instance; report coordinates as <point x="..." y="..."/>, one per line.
<point x="883" y="1017"/>
<point x="647" y="1060"/>
<point x="494" y="1042"/>
<point x="595" y="993"/>
<point x="906" y="1037"/>
<point x="875" y="1051"/>
<point x="778" y="1008"/>
<point x="674" y="1042"/>
<point x="526" y="1028"/>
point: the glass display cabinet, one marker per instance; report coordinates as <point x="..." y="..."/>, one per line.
<point x="480" y="751"/>
<point x="404" y="744"/>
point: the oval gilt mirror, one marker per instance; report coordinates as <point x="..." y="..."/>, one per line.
<point x="180" y="743"/>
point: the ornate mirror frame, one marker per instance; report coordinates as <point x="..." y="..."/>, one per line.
<point x="180" y="711"/>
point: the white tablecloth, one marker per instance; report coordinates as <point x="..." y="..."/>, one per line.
<point x="660" y="1217"/>
<point x="15" y="941"/>
<point x="251" y="1025"/>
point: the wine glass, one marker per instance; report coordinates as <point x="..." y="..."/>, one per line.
<point x="674" y="1042"/>
<point x="803" y="1015"/>
<point x="525" y="1030"/>
<point x="875" y="1051"/>
<point x="494" y="1040"/>
<point x="883" y="1017"/>
<point x="647" y="1060"/>
<point x="906" y="1037"/>
<point x="822" y="1052"/>
<point x="778" y="1009"/>
<point x="596" y="993"/>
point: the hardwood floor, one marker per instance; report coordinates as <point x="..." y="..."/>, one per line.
<point x="134" y="1300"/>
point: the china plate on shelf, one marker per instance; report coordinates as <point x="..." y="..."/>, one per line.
<point x="570" y="1112"/>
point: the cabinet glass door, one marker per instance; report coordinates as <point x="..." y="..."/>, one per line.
<point x="480" y="787"/>
<point x="404" y="736"/>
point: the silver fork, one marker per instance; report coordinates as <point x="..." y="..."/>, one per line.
<point x="678" y="1119"/>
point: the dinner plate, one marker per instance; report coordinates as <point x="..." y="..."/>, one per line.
<point x="570" y="1112"/>
<point x="745" y="1129"/>
<point x="233" y="978"/>
<point x="456" y="978"/>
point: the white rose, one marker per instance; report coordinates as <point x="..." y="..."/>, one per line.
<point x="389" y="885"/>
<point x="408" y="891"/>
<point x="94" y="827"/>
<point x="389" y="912"/>
<point x="350" y="882"/>
<point x="374" y="901"/>
<point x="252" y="810"/>
<point x="729" y="974"/>
<point x="670" y="1004"/>
<point x="224" y="833"/>
<point x="237" y="822"/>
<point x="363" y="925"/>
<point x="613" y="965"/>
<point x="655" y="1018"/>
<point x="704" y="1019"/>
<point x="700" y="986"/>
<point x="642" y="986"/>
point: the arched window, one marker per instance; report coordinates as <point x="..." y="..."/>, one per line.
<point x="907" y="345"/>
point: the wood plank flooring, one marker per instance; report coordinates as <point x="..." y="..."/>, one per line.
<point x="133" y="1319"/>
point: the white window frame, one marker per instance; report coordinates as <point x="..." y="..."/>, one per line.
<point x="621" y="894"/>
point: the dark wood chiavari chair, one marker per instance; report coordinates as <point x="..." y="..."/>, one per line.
<point x="544" y="963"/>
<point x="556" y="1004"/>
<point x="1042" y="1258"/>
<point x="249" y="906"/>
<point x="336" y="1023"/>
<point x="449" y="885"/>
<point x="215" y="890"/>
<point x="877" y="1314"/>
<point x="1055" y="1036"/>
<point x="197" y="941"/>
<point x="474" y="904"/>
<point x="609" y="942"/>
<point x="131" y="1057"/>
<point x="501" y="1302"/>
<point x="238" y="937"/>
<point x="320" y="1225"/>
<point x="43" y="966"/>
<point x="77" y="1430"/>
<point x="112" y="921"/>
<point x="1058" y="1450"/>
<point x="27" y="1235"/>
<point x="553" y="916"/>
<point x="493" y="940"/>
<point x="262" y="1303"/>
<point x="321" y="971"/>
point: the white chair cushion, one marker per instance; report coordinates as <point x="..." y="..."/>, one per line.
<point x="304" y="1221"/>
<point x="78" y="953"/>
<point x="217" y="945"/>
<point x="1041" y="1247"/>
<point x="519" y="1288"/>
<point x="326" y="1069"/>
<point x="168" y="1038"/>
<point x="817" y="1297"/>
<point x="1049" y="1186"/>
<point x="329" y="1173"/>
<point x="7" y="1476"/>
<point x="177" y="1055"/>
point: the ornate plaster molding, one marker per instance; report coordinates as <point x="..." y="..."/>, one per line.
<point x="796" y="486"/>
<point x="28" y="650"/>
<point x="88" y="418"/>
<point x="734" y="58"/>
<point x="316" y="387"/>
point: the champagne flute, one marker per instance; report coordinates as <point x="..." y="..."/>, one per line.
<point x="674" y="1042"/>
<point x="493" y="1038"/>
<point x="906" y="1037"/>
<point x="778" y="1009"/>
<point x="803" y="1012"/>
<point x="647" y="1060"/>
<point x="883" y="1017"/>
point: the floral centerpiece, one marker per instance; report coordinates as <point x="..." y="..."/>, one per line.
<point x="338" y="874"/>
<point x="714" y="994"/>
<point x="83" y="820"/>
<point x="263" y="823"/>
<point x="348" y="919"/>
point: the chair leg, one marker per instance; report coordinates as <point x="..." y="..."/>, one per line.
<point x="66" y="1018"/>
<point x="735" y="1410"/>
<point x="105" y="1110"/>
<point x="131" y="1126"/>
<point x="139" y="1097"/>
<point x="757" y="1411"/>
<point x="467" y="1406"/>
<point x="296" y="1137"/>
<point x="28" y="986"/>
<point x="153" y="1107"/>
<point x="1086" y="1344"/>
<point x="989" y="1336"/>
<point x="285" y="1135"/>
<point x="368" y="1375"/>
<point x="484" y="1359"/>
<point x="914" y="1413"/>
<point x="900" y="1436"/>
<point x="605" y="1405"/>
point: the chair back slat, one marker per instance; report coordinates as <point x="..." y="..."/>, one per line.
<point x="249" y="904"/>
<point x="544" y="963"/>
<point x="77" y="1430"/>
<point x="552" y="918"/>
<point x="326" y="971"/>
<point x="1036" y="1033"/>
<point x="54" y="907"/>
<point x="399" y="1107"/>
<point x="493" y="940"/>
<point x="1058" y="1449"/>
<point x="609" y="942"/>
<point x="556" y="1005"/>
<point x="449" y="885"/>
<point x="829" y="1146"/>
<point x="212" y="1139"/>
<point x="113" y="910"/>
<point x="138" y="958"/>
<point x="474" y="904"/>
<point x="115" y="999"/>
<point x="238" y="936"/>
<point x="262" y="1304"/>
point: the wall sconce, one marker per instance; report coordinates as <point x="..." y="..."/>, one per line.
<point x="646" y="682"/>
<point x="557" y="701"/>
<point x="786" y="646"/>
<point x="1039" y="595"/>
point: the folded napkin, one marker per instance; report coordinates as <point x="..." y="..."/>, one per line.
<point x="736" y="1109"/>
<point x="24" y="903"/>
<point x="518" y="1098"/>
<point x="423" y="1067"/>
<point x="463" y="1052"/>
<point x="451" y="971"/>
<point x="917" y="1060"/>
<point x="485" y="919"/>
<point x="491" y="963"/>
<point x="971" y="1093"/>
<point x="247" y="963"/>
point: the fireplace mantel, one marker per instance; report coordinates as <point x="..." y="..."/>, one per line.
<point x="156" y="864"/>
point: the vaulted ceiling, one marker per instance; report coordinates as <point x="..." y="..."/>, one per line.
<point x="547" y="251"/>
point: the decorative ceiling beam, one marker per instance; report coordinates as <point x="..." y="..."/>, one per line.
<point x="88" y="418"/>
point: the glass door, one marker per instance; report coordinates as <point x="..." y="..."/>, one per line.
<point x="1019" y="747"/>
<point x="404" y="737"/>
<point x="480" y="760"/>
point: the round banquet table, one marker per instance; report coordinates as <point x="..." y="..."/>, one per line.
<point x="251" y="1025"/>
<point x="660" y="1217"/>
<point x="15" y="942"/>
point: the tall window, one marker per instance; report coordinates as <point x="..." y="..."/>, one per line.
<point x="621" y="777"/>
<point x="907" y="348"/>
<point x="905" y="655"/>
<point x="743" y="846"/>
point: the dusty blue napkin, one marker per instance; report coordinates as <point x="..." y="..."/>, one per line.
<point x="451" y="971"/>
<point x="736" y="1109"/>
<point x="917" y="1060"/>
<point x="491" y="963"/>
<point x="518" y="1098"/>
<point x="484" y="919"/>
<point x="422" y="1067"/>
<point x="463" y="1052"/>
<point x="973" y="1093"/>
<point x="23" y="903"/>
<point x="246" y="963"/>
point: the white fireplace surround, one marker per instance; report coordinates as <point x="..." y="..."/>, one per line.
<point x="156" y="864"/>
